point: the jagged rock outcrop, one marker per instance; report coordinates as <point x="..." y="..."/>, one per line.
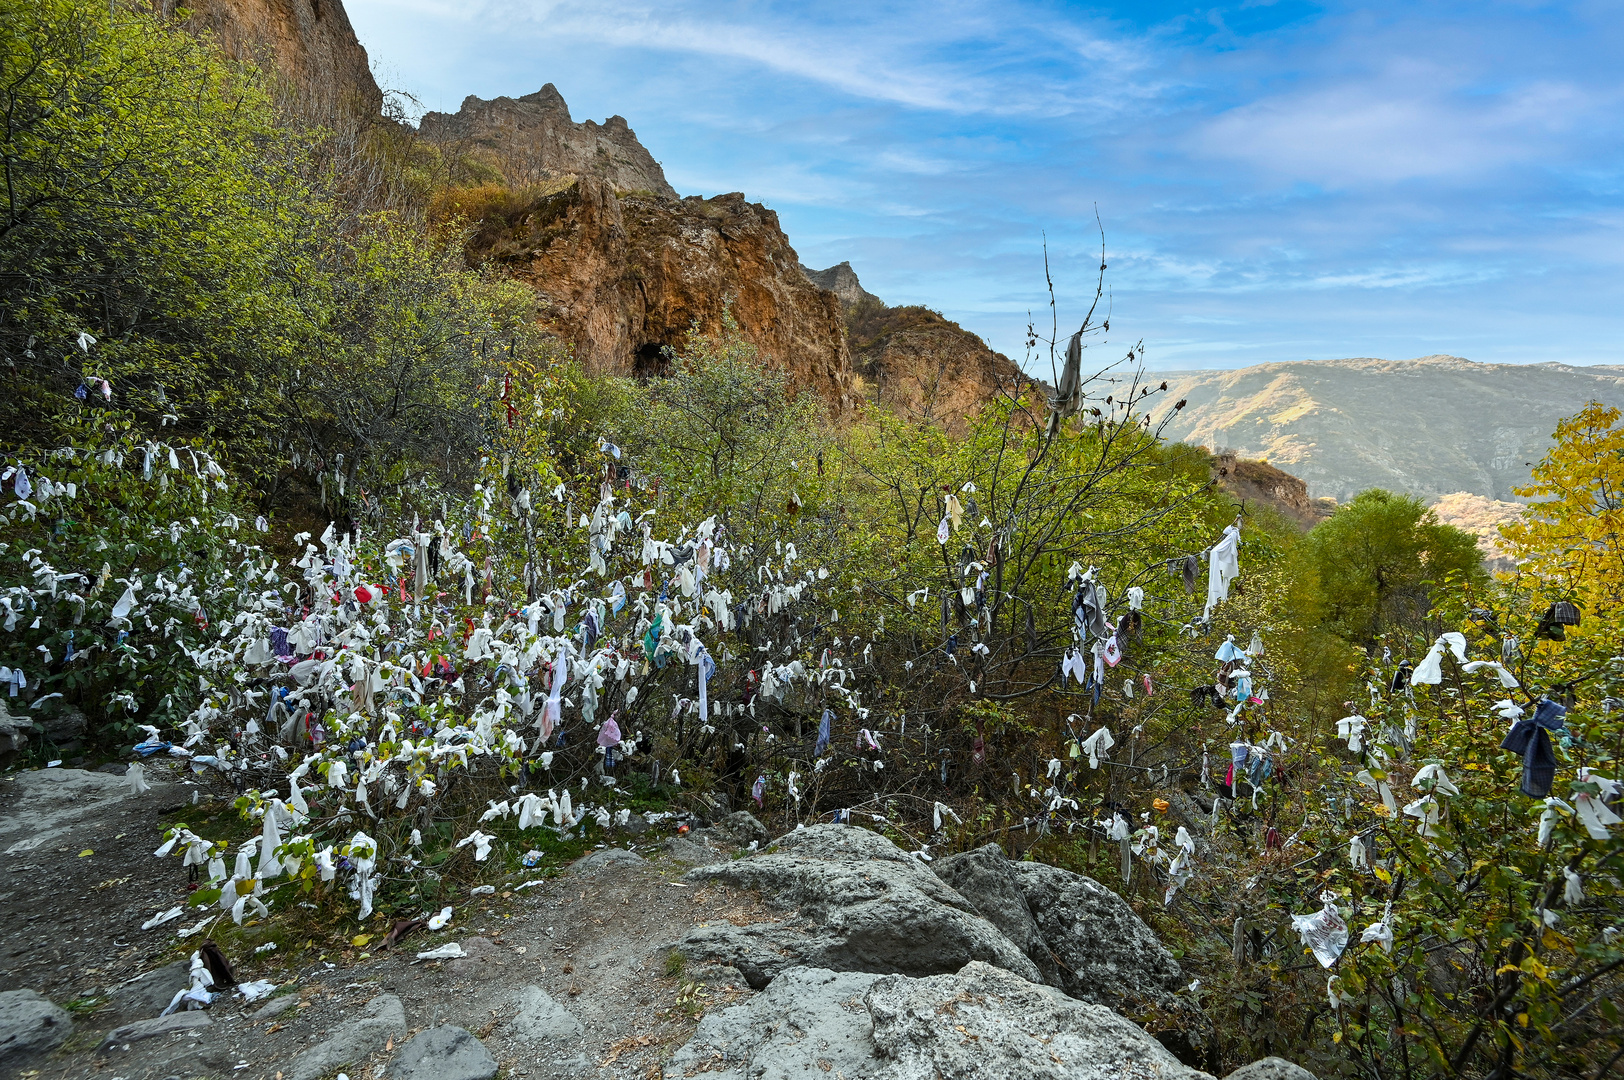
<point x="986" y="878"/>
<point x="841" y="280"/>
<point x="622" y="277"/>
<point x="309" y="42"/>
<point x="978" y="1023"/>
<point x="1260" y="482"/>
<point x="861" y="905"/>
<point x="1105" y="952"/>
<point x="532" y="139"/>
<point x="913" y="360"/>
<point x="1083" y="937"/>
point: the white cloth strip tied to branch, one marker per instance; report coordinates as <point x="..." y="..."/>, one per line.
<point x="1223" y="567"/>
<point x="1507" y="679"/>
<point x="1096" y="745"/>
<point x="1430" y="671"/>
<point x="1591" y="807"/>
<point x="1324" y="932"/>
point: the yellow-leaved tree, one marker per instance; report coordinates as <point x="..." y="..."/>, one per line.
<point x="1572" y="538"/>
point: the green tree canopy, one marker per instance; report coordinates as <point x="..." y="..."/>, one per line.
<point x="1377" y="559"/>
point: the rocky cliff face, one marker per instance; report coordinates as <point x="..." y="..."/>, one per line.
<point x="914" y="361"/>
<point x="1426" y="427"/>
<point x="622" y="277"/>
<point x="841" y="280"/>
<point x="532" y="139"/>
<point x="1260" y="482"/>
<point x="309" y="42"/>
<point x="621" y="266"/>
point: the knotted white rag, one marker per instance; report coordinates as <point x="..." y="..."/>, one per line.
<point x="1096" y="745"/>
<point x="1223" y="566"/>
<point x="1430" y="671"/>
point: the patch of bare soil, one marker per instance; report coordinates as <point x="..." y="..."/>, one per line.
<point x="594" y="939"/>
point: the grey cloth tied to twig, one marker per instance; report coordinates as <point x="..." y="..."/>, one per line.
<point x="1530" y="737"/>
<point x="1068" y="398"/>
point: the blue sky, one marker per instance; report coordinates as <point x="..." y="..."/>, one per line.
<point x="1277" y="181"/>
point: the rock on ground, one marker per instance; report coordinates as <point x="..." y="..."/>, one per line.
<point x="685" y="850"/>
<point x="54" y="801"/>
<point x="443" y="1053"/>
<point x="541" y="1018"/>
<point x="986" y="878"/>
<point x="740" y="829"/>
<point x="1106" y="953"/>
<point x="353" y="1041"/>
<point x="148" y="995"/>
<point x="809" y="1022"/>
<point x="30" y="1025"/>
<point x="596" y="861"/>
<point x="157" y="1026"/>
<point x="980" y="1023"/>
<point x="1108" y="956"/>
<point x="864" y="906"/>
<point x="1271" y="1068"/>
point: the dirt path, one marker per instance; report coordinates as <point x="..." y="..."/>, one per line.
<point x="592" y="940"/>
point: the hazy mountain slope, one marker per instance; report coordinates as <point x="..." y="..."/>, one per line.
<point x="1430" y="427"/>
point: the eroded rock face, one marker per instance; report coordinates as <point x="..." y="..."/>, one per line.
<point x="309" y="42"/>
<point x="932" y="370"/>
<point x="532" y="139"/>
<point x="1106" y="953"/>
<point x="841" y="280"/>
<point x="980" y="1022"/>
<point x="916" y="362"/>
<point x="862" y="905"/>
<point x="987" y="879"/>
<point x="624" y="277"/>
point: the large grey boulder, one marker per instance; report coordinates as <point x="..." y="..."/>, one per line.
<point x="809" y="1022"/>
<point x="1108" y="956"/>
<point x="980" y="1023"/>
<point x="986" y="878"/>
<point x="443" y="1053"/>
<point x="541" y="1019"/>
<point x="30" y="1024"/>
<point x="740" y="829"/>
<point x="13" y="731"/>
<point x="685" y="850"/>
<point x="863" y="905"/>
<point x="384" y="1018"/>
<point x="1271" y="1068"/>
<point x="64" y="727"/>
<point x="51" y="802"/>
<point x="1106" y="953"/>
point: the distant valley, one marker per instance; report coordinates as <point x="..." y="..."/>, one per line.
<point x="1430" y="427"/>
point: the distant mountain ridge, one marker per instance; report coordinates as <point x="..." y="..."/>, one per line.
<point x="1430" y="427"/>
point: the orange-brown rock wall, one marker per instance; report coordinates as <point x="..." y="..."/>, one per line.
<point x="309" y="42"/>
<point x="623" y="278"/>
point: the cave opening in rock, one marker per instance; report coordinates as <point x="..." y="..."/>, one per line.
<point x="650" y="360"/>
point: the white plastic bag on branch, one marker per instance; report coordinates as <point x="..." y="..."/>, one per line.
<point x="1324" y="932"/>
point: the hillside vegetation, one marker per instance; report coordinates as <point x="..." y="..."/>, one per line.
<point x="296" y="496"/>
<point x="1427" y="427"/>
